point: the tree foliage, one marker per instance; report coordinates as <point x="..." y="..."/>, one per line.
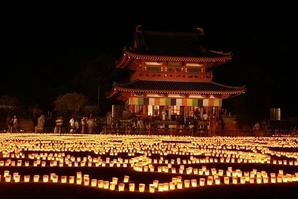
<point x="96" y="78"/>
<point x="70" y="103"/>
<point x="8" y="104"/>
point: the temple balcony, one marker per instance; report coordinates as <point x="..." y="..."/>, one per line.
<point x="172" y="76"/>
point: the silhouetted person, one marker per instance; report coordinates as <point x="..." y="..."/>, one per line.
<point x="9" y="124"/>
<point x="222" y="126"/>
<point x="15" y="124"/>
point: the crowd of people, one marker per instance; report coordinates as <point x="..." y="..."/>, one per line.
<point x="84" y="126"/>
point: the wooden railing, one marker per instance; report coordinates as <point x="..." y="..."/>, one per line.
<point x="172" y="76"/>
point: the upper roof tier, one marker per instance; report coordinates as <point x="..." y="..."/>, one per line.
<point x="171" y="46"/>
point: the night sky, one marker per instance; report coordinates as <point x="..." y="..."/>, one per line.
<point x="47" y="41"/>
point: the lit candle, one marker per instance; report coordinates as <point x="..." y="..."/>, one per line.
<point x="165" y="186"/>
<point x="126" y="178"/>
<point x="16" y="177"/>
<point x="7" y="178"/>
<point x="155" y="182"/>
<point x="186" y="183"/>
<point x="112" y="186"/>
<point x="6" y="172"/>
<point x="35" y="178"/>
<point x="45" y="178"/>
<point x="131" y="186"/>
<point x="194" y="182"/>
<point x="234" y="180"/>
<point x="78" y="180"/>
<point x="115" y="180"/>
<point x="63" y="179"/>
<point x="93" y="182"/>
<point x="141" y="187"/>
<point x="71" y="179"/>
<point x="26" y="178"/>
<point x="226" y="180"/>
<point x="151" y="188"/>
<point x="202" y="181"/>
<point x="160" y="187"/>
<point x="55" y="178"/>
<point x="172" y="185"/>
<point x="179" y="185"/>
<point x="100" y="183"/>
<point x="121" y="186"/>
<point x="106" y="184"/>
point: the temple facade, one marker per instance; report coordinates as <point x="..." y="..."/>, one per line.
<point x="171" y="82"/>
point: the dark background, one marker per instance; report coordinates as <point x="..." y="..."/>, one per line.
<point x="44" y="44"/>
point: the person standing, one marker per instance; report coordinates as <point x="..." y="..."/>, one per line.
<point x="9" y="124"/>
<point x="15" y="124"/>
<point x="222" y="126"/>
<point x="257" y="126"/>
<point x="59" y="124"/>
<point x="71" y="125"/>
<point x="90" y="125"/>
<point x="84" y="125"/>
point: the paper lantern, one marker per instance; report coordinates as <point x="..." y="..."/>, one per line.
<point x="186" y="183"/>
<point x="45" y="178"/>
<point x="112" y="186"/>
<point x="273" y="179"/>
<point x="141" y="187"/>
<point x="115" y="180"/>
<point x="64" y="179"/>
<point x="36" y="178"/>
<point x="93" y="182"/>
<point x="151" y="188"/>
<point x="202" y="181"/>
<point x="194" y="183"/>
<point x="226" y="180"/>
<point x="165" y="186"/>
<point x="7" y="178"/>
<point x="251" y="180"/>
<point x="86" y="181"/>
<point x="26" y="178"/>
<point x="132" y="187"/>
<point x="172" y="185"/>
<point x="100" y="183"/>
<point x="234" y="180"/>
<point x="126" y="178"/>
<point x="106" y="184"/>
<point x="71" y="179"/>
<point x="78" y="180"/>
<point x="179" y="184"/>
<point x="6" y="172"/>
<point x="121" y="186"/>
<point x="160" y="187"/>
<point x="55" y="178"/>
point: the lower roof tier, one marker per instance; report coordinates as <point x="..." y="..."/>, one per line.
<point x="165" y="88"/>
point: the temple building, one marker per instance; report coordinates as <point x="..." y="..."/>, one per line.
<point x="172" y="81"/>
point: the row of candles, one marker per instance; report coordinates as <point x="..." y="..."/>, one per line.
<point x="62" y="159"/>
<point x="176" y="183"/>
<point x="195" y="147"/>
<point x="215" y="156"/>
<point x="216" y="151"/>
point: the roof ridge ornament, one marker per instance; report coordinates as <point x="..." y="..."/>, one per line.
<point x="201" y="30"/>
<point x="138" y="28"/>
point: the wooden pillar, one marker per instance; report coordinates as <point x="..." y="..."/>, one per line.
<point x="211" y="122"/>
<point x="132" y="108"/>
<point x="145" y="110"/>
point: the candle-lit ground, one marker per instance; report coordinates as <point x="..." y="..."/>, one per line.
<point x="111" y="166"/>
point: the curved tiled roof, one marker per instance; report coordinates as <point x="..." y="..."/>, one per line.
<point x="170" y="44"/>
<point x="177" y="87"/>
